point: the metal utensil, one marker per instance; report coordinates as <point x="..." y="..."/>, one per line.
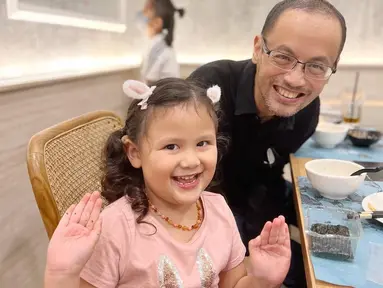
<point x="365" y="215"/>
<point x="367" y="170"/>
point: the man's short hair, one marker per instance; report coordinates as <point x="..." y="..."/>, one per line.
<point x="310" y="6"/>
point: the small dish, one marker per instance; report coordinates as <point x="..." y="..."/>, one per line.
<point x="364" y="137"/>
<point x="328" y="135"/>
<point x="374" y="201"/>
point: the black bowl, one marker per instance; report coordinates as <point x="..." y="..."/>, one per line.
<point x="364" y="137"/>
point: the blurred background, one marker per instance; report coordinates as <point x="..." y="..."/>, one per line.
<point x="62" y="58"/>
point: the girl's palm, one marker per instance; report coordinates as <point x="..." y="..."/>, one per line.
<point x="75" y="237"/>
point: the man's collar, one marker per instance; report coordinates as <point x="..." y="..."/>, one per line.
<point x="245" y="101"/>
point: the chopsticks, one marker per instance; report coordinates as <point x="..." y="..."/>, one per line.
<point x="371" y="214"/>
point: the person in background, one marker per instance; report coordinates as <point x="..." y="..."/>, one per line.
<point x="271" y="107"/>
<point x="157" y="22"/>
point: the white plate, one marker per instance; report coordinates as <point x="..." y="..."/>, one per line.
<point x="376" y="200"/>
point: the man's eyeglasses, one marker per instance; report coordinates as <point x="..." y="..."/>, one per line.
<point x="316" y="71"/>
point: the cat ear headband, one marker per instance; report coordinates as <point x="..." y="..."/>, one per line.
<point x="139" y="90"/>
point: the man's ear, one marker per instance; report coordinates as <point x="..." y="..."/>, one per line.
<point x="132" y="152"/>
<point x="335" y="67"/>
<point x="257" y="49"/>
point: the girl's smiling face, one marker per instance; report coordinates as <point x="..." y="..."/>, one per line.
<point x="177" y="154"/>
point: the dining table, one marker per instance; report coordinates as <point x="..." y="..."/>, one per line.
<point x="360" y="272"/>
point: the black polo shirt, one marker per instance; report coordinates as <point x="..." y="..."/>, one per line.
<point x="251" y="181"/>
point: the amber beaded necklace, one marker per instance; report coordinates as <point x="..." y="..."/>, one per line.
<point x="179" y="226"/>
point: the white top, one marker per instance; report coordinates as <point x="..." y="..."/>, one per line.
<point x="159" y="61"/>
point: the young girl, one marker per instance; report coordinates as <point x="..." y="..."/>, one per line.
<point x="162" y="229"/>
<point x="157" y="20"/>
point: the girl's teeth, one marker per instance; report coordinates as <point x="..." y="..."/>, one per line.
<point x="186" y="179"/>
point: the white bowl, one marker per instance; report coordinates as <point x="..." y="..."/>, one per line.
<point x="328" y="135"/>
<point x="332" y="177"/>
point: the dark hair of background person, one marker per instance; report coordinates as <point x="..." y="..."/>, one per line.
<point x="165" y="10"/>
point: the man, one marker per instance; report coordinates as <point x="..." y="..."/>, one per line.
<point x="270" y="108"/>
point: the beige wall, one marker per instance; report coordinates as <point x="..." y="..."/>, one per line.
<point x="33" y="48"/>
<point x="210" y="30"/>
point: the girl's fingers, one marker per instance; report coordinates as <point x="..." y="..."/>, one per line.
<point x="94" y="216"/>
<point x="85" y="215"/>
<point x="66" y="217"/>
<point x="96" y="232"/>
<point x="274" y="233"/>
<point x="76" y="215"/>
<point x="282" y="231"/>
<point x="287" y="242"/>
<point x="265" y="234"/>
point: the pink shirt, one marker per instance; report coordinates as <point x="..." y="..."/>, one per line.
<point x="128" y="256"/>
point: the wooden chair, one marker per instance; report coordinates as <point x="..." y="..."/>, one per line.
<point x="64" y="162"/>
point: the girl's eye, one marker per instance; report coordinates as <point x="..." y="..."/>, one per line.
<point x="171" y="147"/>
<point x="202" y="143"/>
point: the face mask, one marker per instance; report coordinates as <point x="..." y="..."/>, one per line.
<point x="141" y="22"/>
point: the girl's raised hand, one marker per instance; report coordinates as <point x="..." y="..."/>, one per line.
<point x="270" y="252"/>
<point x="75" y="237"/>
